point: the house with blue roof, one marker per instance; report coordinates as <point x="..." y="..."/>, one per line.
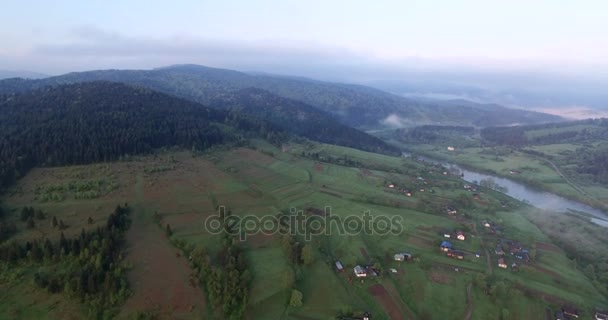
<point x="445" y="246"/>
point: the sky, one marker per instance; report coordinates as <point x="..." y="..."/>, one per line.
<point x="65" y="35"/>
<point x="548" y="46"/>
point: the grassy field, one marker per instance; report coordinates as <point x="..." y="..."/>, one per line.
<point x="532" y="170"/>
<point x="186" y="188"/>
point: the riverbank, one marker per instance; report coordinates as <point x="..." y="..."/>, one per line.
<point x="531" y="184"/>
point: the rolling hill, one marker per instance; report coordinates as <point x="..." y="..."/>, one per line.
<point x="298" y="118"/>
<point x="102" y="121"/>
<point x="353" y="105"/>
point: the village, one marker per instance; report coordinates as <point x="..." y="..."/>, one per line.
<point x="492" y="245"/>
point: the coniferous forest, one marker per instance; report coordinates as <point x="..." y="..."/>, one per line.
<point x="102" y="121"/>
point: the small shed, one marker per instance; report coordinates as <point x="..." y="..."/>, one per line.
<point x="339" y="266"/>
<point x="402" y="256"/>
<point x="460" y="235"/>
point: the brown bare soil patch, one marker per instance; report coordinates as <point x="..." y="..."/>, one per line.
<point x="315" y="211"/>
<point x="388" y="304"/>
<point x="160" y="278"/>
<point x="390" y="288"/>
<point x="184" y="221"/>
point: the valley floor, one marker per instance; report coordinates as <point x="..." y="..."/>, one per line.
<point x="185" y="189"/>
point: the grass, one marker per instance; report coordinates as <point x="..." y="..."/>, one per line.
<point x="260" y="183"/>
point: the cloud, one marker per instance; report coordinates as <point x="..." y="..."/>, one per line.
<point x="90" y="45"/>
<point x="394" y="120"/>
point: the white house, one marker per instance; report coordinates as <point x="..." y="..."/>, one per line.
<point x="460" y="235"/>
<point x="360" y="272"/>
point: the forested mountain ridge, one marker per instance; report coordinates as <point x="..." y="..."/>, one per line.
<point x="353" y="105"/>
<point x="299" y="118"/>
<point x="102" y="121"/>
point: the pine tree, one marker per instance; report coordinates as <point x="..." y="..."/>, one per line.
<point x="168" y="230"/>
<point x="30" y="224"/>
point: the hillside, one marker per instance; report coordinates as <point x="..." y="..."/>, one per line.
<point x="259" y="271"/>
<point x="101" y="121"/>
<point x="353" y="105"/>
<point x="299" y="118"/>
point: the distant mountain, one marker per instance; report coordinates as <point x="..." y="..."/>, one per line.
<point x="353" y="105"/>
<point x="102" y="121"/>
<point x="5" y="74"/>
<point x="299" y="118"/>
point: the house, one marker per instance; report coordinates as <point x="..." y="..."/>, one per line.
<point x="477" y="255"/>
<point x="467" y="187"/>
<point x="456" y="254"/>
<point x="486" y="224"/>
<point x="451" y="149"/>
<point x="499" y="251"/>
<point x="391" y="185"/>
<point x="502" y="263"/>
<point x="367" y="316"/>
<point x="339" y="266"/>
<point x="570" y="311"/>
<point x="445" y="246"/>
<point x="460" y="235"/>
<point x="451" y="211"/>
<point x="515" y="247"/>
<point x="408" y="193"/>
<point x="360" y="272"/>
<point x="601" y="315"/>
<point x="402" y="256"/>
<point x="514" y="267"/>
<point x="447" y="235"/>
<point x="422" y="190"/>
<point x="523" y="255"/>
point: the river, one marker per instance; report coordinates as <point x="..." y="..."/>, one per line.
<point x="540" y="199"/>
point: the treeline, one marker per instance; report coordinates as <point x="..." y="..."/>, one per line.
<point x="226" y="278"/>
<point x="591" y="162"/>
<point x="88" y="267"/>
<point x="434" y="134"/>
<point x="102" y="121"/>
<point x="564" y="132"/>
